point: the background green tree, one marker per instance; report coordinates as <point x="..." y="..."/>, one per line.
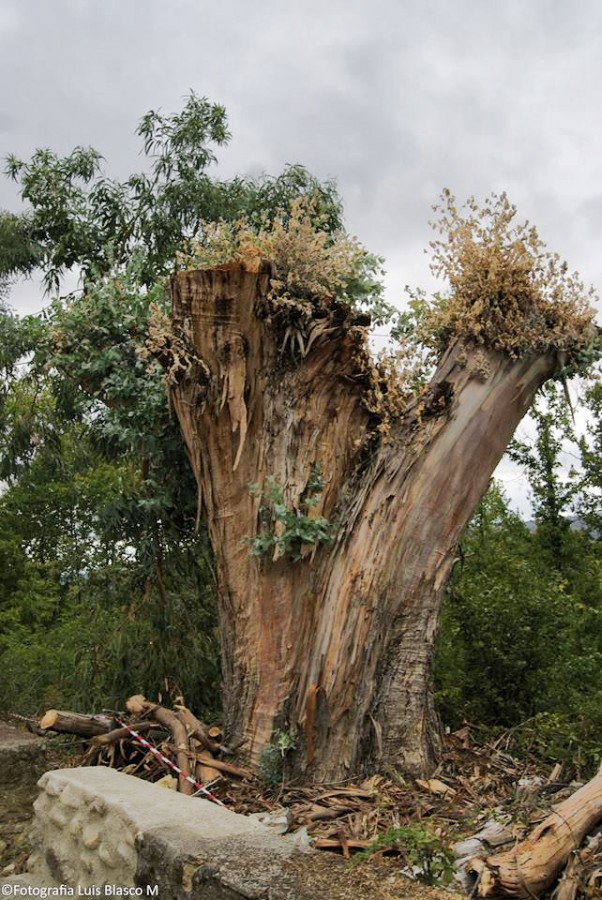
<point x="108" y="585"/>
<point x="521" y="638"/>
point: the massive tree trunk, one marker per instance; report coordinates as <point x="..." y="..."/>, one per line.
<point x="334" y="648"/>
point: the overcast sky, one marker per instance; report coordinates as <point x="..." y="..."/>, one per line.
<point x="396" y="99"/>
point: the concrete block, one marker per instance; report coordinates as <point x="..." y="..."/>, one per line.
<point x="98" y="845"/>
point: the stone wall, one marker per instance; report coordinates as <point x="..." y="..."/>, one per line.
<point x="22" y="758"/>
<point x="101" y="833"/>
<point x="98" y="833"/>
<point x="93" y="826"/>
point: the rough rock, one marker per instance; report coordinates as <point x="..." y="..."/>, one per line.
<point x="22" y="758"/>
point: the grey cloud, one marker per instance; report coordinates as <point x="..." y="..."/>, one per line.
<point x="395" y="98"/>
<point x="8" y="122"/>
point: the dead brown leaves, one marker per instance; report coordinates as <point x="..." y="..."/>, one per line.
<point x="507" y="291"/>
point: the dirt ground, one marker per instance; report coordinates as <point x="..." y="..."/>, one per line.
<point x="15" y="815"/>
<point x="377" y="879"/>
<point x="17" y="793"/>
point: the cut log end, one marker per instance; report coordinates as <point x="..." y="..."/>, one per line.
<point x="137" y="705"/>
<point x="75" y="723"/>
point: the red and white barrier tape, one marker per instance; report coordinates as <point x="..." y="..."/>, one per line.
<point x="200" y="788"/>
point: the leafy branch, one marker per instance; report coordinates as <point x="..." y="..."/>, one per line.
<point x="286" y="530"/>
<point x="429" y="860"/>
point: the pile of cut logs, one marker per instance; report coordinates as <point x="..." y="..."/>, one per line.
<point x="184" y="754"/>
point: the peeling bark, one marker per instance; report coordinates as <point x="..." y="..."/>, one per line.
<point x="334" y="648"/>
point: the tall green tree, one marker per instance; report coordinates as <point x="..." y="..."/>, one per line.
<point x="19" y="253"/>
<point x="518" y="637"/>
<point x="590" y="446"/>
<point x="553" y="487"/>
<point x="561" y="471"/>
<point x="96" y="597"/>
<point x="78" y="216"/>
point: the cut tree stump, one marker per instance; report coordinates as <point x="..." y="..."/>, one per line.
<point x="530" y="867"/>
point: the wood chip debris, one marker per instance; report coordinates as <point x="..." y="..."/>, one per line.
<point x="480" y="800"/>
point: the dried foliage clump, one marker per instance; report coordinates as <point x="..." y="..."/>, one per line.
<point x="309" y="261"/>
<point x="507" y="291"/>
<point x="397" y="377"/>
<point x="175" y="355"/>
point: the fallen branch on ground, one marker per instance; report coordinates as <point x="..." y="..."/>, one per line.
<point x="533" y="865"/>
